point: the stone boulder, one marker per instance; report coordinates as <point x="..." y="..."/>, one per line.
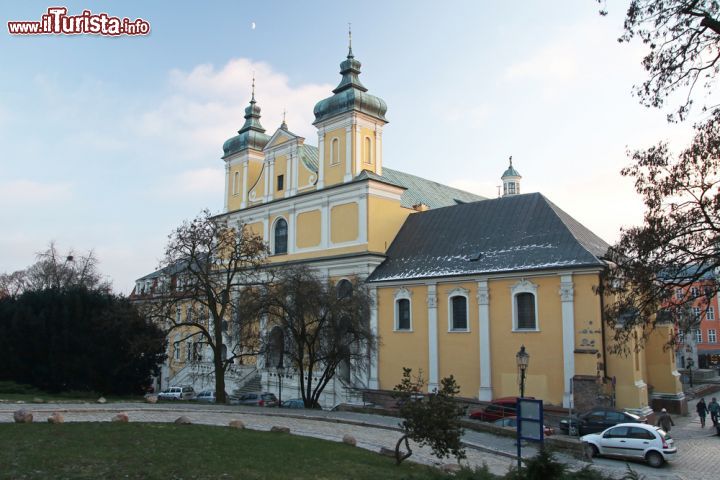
<point x="151" y="399"/>
<point x="38" y="400"/>
<point x="279" y="429"/>
<point x="183" y="420"/>
<point x="101" y="400"/>
<point x="56" y="417"/>
<point x="237" y="424"/>
<point x="349" y="440"/>
<point x="23" y="416"/>
<point x="121" y="417"/>
<point x="452" y="468"/>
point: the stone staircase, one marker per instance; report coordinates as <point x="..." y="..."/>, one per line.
<point x="252" y="385"/>
<point x="201" y="376"/>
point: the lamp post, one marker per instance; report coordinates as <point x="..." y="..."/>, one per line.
<point x="523" y="358"/>
<point x="280" y="369"/>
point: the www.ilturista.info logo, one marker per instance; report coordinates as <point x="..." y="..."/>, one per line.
<point x="57" y="22"/>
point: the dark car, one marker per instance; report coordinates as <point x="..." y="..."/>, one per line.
<point x="498" y="408"/>
<point x="207" y="396"/>
<point x="511" y="422"/>
<point x="257" y="399"/>
<point x="597" y="420"/>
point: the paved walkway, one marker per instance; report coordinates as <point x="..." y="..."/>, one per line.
<point x="371" y="432"/>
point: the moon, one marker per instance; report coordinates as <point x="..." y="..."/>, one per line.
<point x="252" y="25"/>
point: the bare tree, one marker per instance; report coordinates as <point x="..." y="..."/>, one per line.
<point x="206" y="265"/>
<point x="322" y="325"/>
<point x="56" y="270"/>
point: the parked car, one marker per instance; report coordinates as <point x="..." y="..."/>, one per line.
<point x="208" y="396"/>
<point x="512" y="422"/>
<point x="185" y="392"/>
<point x="597" y="420"/>
<point x="293" y="403"/>
<point x="257" y="399"/>
<point x="499" y="408"/>
<point x="632" y="440"/>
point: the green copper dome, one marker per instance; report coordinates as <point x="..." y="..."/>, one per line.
<point x="350" y="95"/>
<point x="251" y="135"/>
<point x="511" y="172"/>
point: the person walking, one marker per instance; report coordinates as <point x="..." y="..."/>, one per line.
<point x="702" y="410"/>
<point x="714" y="409"/>
<point x="664" y="420"/>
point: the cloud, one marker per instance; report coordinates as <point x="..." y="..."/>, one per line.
<point x="205" y="106"/>
<point x="27" y="191"/>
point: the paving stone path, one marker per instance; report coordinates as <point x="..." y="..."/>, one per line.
<point x="698" y="458"/>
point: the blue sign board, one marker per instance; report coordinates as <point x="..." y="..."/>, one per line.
<point x="530" y="419"/>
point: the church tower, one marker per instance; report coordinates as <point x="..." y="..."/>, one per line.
<point x="243" y="155"/>
<point x="349" y="127"/>
<point x="511" y="181"/>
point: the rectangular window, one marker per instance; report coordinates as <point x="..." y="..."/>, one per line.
<point x="280" y="182"/>
<point x="711" y="313"/>
<point x="712" y="336"/>
<point x="459" y="312"/>
<point x="681" y="337"/>
<point x="696" y="313"/>
<point x="188" y="351"/>
<point x="178" y="314"/>
<point x="698" y="335"/>
<point x="403" y="314"/>
<point x="694" y="292"/>
<point x="176" y="350"/>
<point x="679" y="293"/>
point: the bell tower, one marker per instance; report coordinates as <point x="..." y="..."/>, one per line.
<point x="511" y="181"/>
<point x="349" y="124"/>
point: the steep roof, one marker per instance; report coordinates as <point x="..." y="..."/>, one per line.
<point x="515" y="233"/>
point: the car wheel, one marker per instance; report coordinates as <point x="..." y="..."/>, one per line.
<point x="654" y="459"/>
<point x="591" y="451"/>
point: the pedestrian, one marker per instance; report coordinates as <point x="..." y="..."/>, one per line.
<point x="664" y="421"/>
<point x="702" y="410"/>
<point x="714" y="409"/>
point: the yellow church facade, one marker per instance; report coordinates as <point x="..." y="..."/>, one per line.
<point x="460" y="282"/>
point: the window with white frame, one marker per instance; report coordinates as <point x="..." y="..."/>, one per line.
<point x="681" y="337"/>
<point x="236" y="183"/>
<point x="280" y="237"/>
<point x="694" y="292"/>
<point x="678" y="293"/>
<point x="368" y="150"/>
<point x="188" y="314"/>
<point x="712" y="336"/>
<point x="710" y="313"/>
<point x="698" y="335"/>
<point x="524" y="306"/>
<point x="176" y="349"/>
<point x="696" y="313"/>
<point x="403" y="310"/>
<point x="178" y="314"/>
<point x="188" y="351"/>
<point x="458" y="310"/>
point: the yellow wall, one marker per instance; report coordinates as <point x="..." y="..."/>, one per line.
<point x="366" y="132"/>
<point x="256" y="228"/>
<point x="256" y="173"/>
<point x="624" y="369"/>
<point x="304" y="174"/>
<point x="344" y="223"/>
<point x="280" y="169"/>
<point x="334" y="173"/>
<point x="387" y="216"/>
<point x="458" y="352"/>
<point x="661" y="362"/>
<point x="308" y="229"/>
<point x="401" y="349"/>
<point x="588" y="327"/>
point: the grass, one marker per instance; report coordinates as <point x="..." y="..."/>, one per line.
<point x="169" y="451"/>
<point x="14" y="392"/>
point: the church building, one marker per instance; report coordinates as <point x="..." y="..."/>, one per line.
<point x="460" y="281"/>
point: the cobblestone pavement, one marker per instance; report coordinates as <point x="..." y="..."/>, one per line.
<point x="696" y="460"/>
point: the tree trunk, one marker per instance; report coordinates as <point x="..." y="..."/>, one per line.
<point x="399" y="457"/>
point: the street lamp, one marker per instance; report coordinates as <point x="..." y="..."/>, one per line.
<point x="280" y="369"/>
<point x="523" y="358"/>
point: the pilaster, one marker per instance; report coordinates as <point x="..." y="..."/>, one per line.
<point x="483" y="299"/>
<point x="433" y="369"/>
<point x="568" y="328"/>
<point x="348" y="154"/>
<point x="373" y="383"/>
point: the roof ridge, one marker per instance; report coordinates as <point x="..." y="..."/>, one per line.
<point x="559" y="212"/>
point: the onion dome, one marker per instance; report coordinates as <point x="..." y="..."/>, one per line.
<point x="511" y="172"/>
<point x="251" y="135"/>
<point x="350" y="95"/>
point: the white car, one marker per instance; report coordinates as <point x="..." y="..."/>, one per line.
<point x="178" y="393"/>
<point x="632" y="440"/>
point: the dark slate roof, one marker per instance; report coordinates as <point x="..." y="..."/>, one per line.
<point x="420" y="190"/>
<point x="513" y="233"/>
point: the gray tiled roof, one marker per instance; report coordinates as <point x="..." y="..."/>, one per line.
<point x="421" y="190"/>
<point x="514" y="233"/>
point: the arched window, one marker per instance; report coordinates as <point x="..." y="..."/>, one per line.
<point x="458" y="313"/>
<point x="334" y="152"/>
<point x="344" y="289"/>
<point x="368" y="150"/>
<point x="525" y="308"/>
<point x="402" y="314"/>
<point x="236" y="183"/>
<point x="281" y="237"/>
<point x="176" y="348"/>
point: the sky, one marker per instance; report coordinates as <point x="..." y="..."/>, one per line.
<point x="108" y="143"/>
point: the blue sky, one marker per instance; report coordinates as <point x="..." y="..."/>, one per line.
<point x="108" y="143"/>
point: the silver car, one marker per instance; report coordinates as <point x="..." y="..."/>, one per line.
<point x="632" y="440"/>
